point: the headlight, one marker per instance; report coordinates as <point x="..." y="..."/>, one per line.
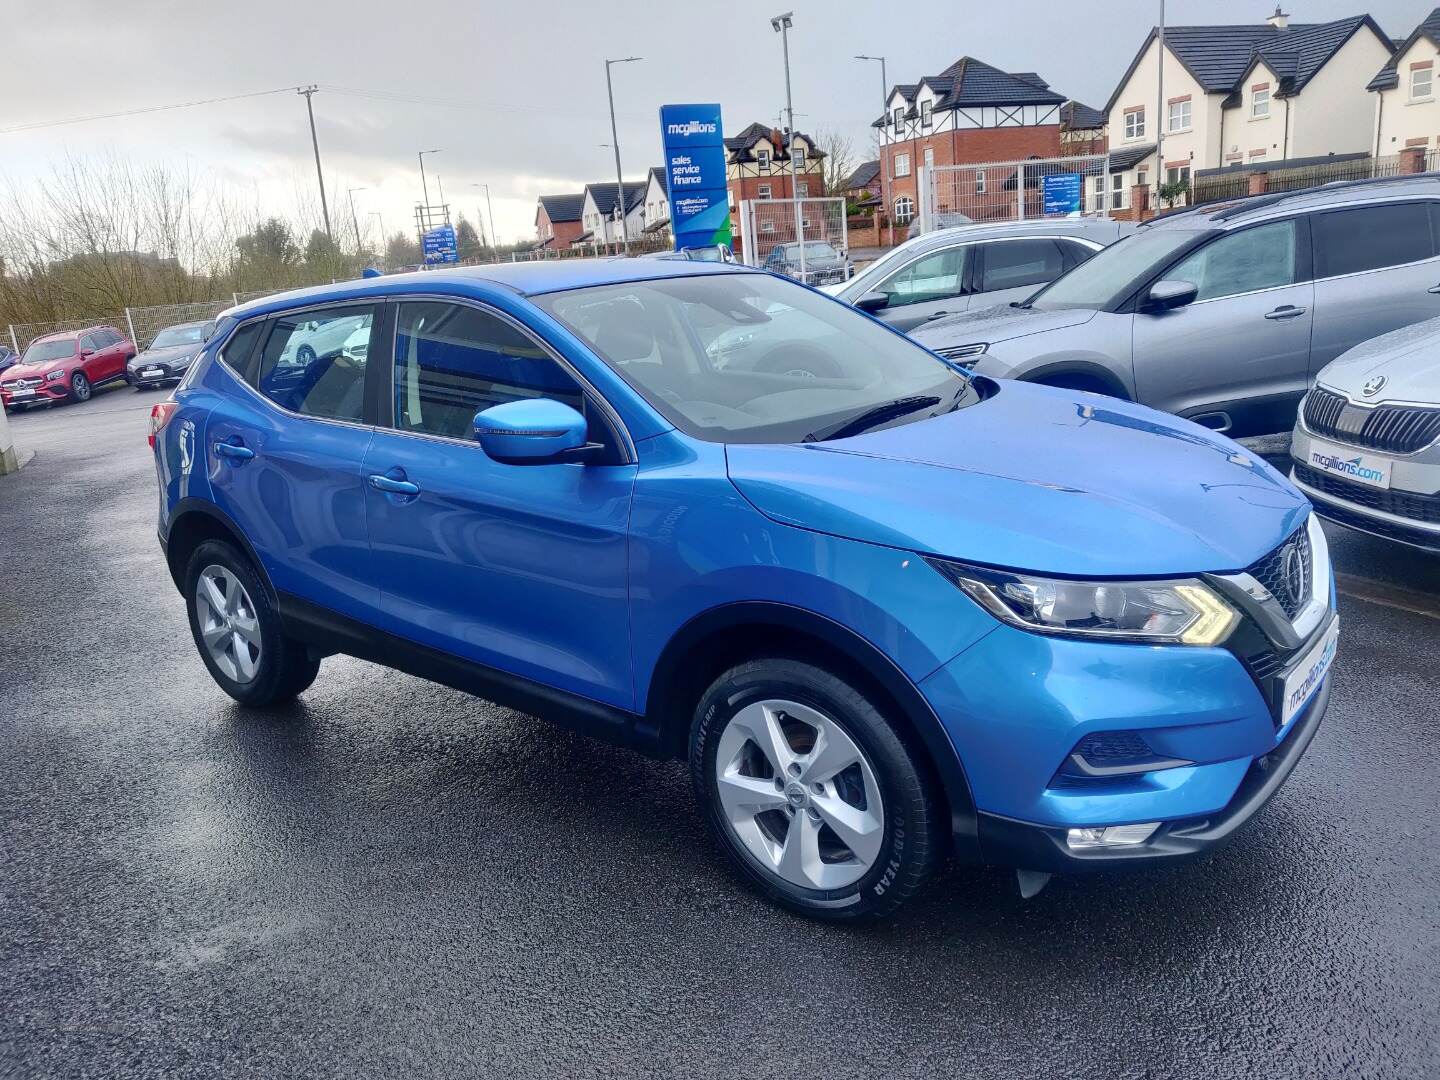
<point x="55" y="376"/>
<point x="962" y="352"/>
<point x="180" y="362"/>
<point x="1184" y="611"/>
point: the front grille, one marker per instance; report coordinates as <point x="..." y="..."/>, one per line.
<point x="25" y="384"/>
<point x="1406" y="504"/>
<point x="1271" y="572"/>
<point x="1391" y="530"/>
<point x="1114" y="748"/>
<point x="1395" y="429"/>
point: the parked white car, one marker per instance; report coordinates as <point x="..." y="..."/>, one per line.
<point x="1366" y="446"/>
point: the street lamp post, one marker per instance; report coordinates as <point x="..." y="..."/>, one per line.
<point x="424" y="187"/>
<point x="491" y="212"/>
<point x="781" y="24"/>
<point x="355" y="221"/>
<point x="884" y="108"/>
<point x="615" y="142"/>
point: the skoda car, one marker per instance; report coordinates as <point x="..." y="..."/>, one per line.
<point x="881" y="611"/>
<point x="169" y="355"/>
<point x="1367" y="444"/>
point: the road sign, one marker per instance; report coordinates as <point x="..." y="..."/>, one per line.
<point x="694" y="141"/>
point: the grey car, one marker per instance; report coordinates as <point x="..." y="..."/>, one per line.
<point x="973" y="266"/>
<point x="1223" y="313"/>
<point x="1367" y="444"/>
<point x="168" y="357"/>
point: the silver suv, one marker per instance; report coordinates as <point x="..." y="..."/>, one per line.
<point x="1223" y="313"/>
<point x="972" y="266"/>
<point x="1367" y="444"/>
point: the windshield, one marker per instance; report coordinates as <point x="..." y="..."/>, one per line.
<point x="754" y="358"/>
<point x="41" y="352"/>
<point x="1110" y="274"/>
<point x="179" y="335"/>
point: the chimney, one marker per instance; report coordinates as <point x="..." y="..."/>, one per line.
<point x="1280" y="20"/>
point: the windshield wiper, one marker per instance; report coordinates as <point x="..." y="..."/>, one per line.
<point x="876" y="414"/>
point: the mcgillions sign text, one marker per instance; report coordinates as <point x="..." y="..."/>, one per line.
<point x="695" y="175"/>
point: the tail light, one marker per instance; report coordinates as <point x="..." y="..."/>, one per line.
<point x="160" y="415"/>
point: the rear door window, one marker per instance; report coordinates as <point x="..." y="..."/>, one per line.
<point x="1371" y="238"/>
<point x="937" y="276"/>
<point x="1014" y="264"/>
<point x="1241" y="262"/>
<point x="313" y="362"/>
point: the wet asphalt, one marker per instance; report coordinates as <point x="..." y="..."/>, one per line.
<point x="392" y="879"/>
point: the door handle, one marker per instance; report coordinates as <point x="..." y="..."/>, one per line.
<point x="381" y="482"/>
<point x="936" y="315"/>
<point x="1286" y="311"/>
<point x="233" y="450"/>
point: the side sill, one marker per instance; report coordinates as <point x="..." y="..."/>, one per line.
<point x="330" y="632"/>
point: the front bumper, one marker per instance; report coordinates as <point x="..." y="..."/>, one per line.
<point x="38" y="395"/>
<point x="1037" y="847"/>
<point x="135" y="377"/>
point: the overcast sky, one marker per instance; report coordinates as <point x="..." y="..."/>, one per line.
<point x="515" y="92"/>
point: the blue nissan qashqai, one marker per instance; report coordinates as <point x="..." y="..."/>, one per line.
<point x="889" y="610"/>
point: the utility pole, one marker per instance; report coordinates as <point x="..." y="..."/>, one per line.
<point x="1159" y="110"/>
<point x="615" y="143"/>
<point x="355" y="221"/>
<point x="424" y="187"/>
<point x="884" y="109"/>
<point x="441" y="186"/>
<point x="491" y="210"/>
<point x="309" y="92"/>
<point x="781" y="24"/>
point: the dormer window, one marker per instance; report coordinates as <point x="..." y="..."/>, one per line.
<point x="799" y="156"/>
<point x="899" y="118"/>
<point x="926" y="107"/>
<point x="763" y="157"/>
<point x="1260" y="101"/>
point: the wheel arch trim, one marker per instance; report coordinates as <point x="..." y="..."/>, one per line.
<point x="187" y="510"/>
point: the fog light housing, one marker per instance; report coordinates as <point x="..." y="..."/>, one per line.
<point x="1108" y="836"/>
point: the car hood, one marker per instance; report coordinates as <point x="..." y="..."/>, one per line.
<point x="29" y="371"/>
<point x="999" y="323"/>
<point x="1408" y="359"/>
<point x="1035" y="478"/>
<point x="165" y="355"/>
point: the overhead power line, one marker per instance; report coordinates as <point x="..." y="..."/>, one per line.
<point x="37" y="124"/>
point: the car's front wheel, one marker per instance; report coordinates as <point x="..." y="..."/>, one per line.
<point x="80" y="387"/>
<point x="238" y="632"/>
<point x="811" y="791"/>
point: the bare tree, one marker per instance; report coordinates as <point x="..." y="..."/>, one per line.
<point x="839" y="159"/>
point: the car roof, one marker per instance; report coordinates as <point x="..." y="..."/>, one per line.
<point x="994" y="231"/>
<point x="1234" y="212"/>
<point x="522" y="278"/>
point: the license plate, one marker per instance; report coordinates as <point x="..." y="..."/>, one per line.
<point x="1371" y="470"/>
<point x="152" y="373"/>
<point x="22" y="393"/>
<point x="1306" y="676"/>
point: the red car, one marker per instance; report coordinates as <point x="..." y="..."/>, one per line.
<point x="66" y="366"/>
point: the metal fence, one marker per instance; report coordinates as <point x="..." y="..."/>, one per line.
<point x="1011" y="190"/>
<point x="771" y="231"/>
<point x="1218" y="185"/>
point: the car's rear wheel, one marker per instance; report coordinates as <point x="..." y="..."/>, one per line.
<point x="80" y="387"/>
<point x="238" y="632"/>
<point x="811" y="791"/>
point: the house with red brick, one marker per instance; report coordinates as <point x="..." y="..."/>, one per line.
<point x="757" y="165"/>
<point x="968" y="114"/>
<point x="557" y="220"/>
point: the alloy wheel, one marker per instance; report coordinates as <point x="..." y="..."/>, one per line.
<point x="799" y="794"/>
<point x="228" y="624"/>
<point x="80" y="387"/>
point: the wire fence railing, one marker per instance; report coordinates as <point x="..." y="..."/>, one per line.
<point x="1219" y="185"/>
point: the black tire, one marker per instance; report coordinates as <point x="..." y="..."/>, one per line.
<point x="286" y="667"/>
<point x="305" y="354"/>
<point x="913" y="816"/>
<point x="80" y="389"/>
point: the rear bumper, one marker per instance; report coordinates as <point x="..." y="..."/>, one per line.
<point x="1006" y="842"/>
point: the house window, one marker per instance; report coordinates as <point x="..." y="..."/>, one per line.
<point x="929" y="157"/>
<point x="763" y="158"/>
<point x="902" y="164"/>
<point x="1260" y="102"/>
<point x="1180" y="115"/>
<point x="1257" y="155"/>
<point x="899" y="118"/>
<point x="799" y="159"/>
<point x="1097" y="193"/>
<point x="1177" y="174"/>
<point x="803" y="189"/>
<point x="767" y="226"/>
<point x="1117" y="192"/>
<point x="1421" y="81"/>
<point x="1135" y="123"/>
<point x="763" y="191"/>
<point x="925" y="110"/>
<point x="1141" y="177"/>
<point x="979" y="181"/>
<point x="904" y="210"/>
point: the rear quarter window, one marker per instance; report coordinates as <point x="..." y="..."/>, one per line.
<point x="1371" y="238"/>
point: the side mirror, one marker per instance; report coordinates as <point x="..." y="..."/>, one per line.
<point x="1165" y="295"/>
<point x="873" y="301"/>
<point x="535" y="431"/>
